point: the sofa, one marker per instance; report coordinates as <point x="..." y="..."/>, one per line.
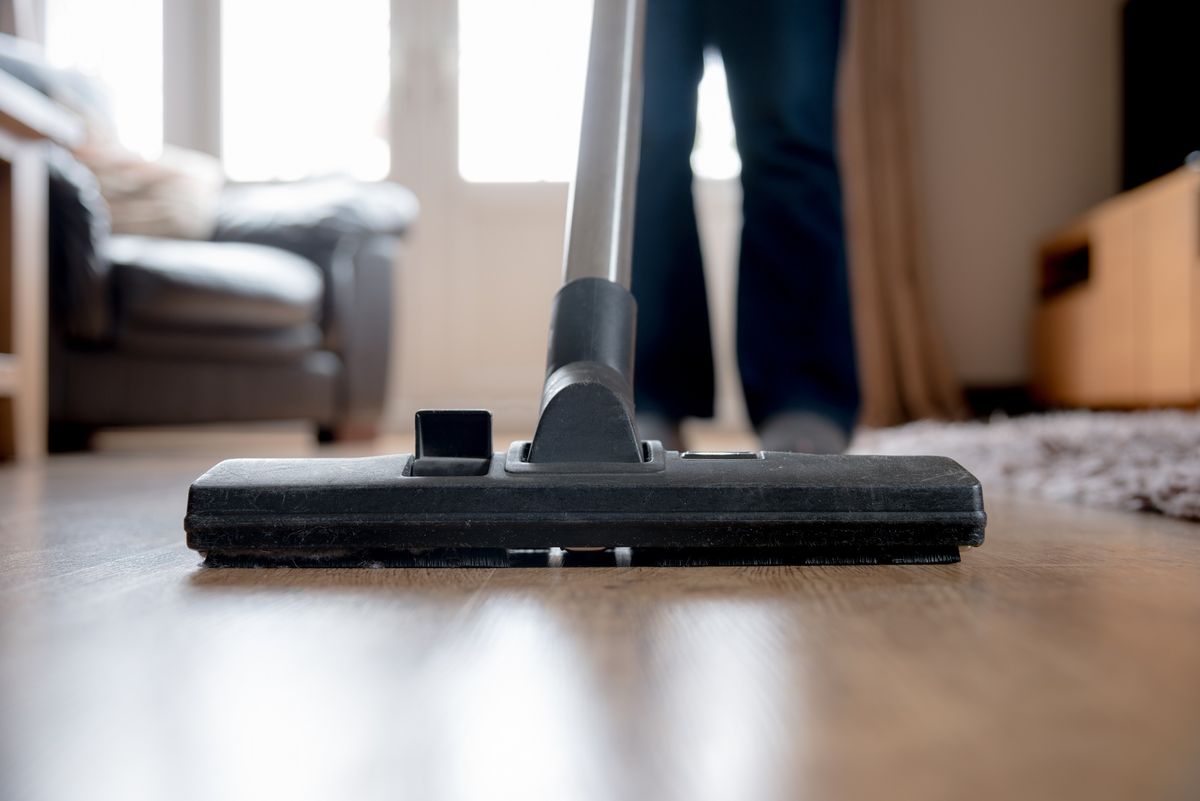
<point x="285" y="314"/>
<point x="282" y="311"/>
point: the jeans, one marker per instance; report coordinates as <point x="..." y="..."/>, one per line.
<point x="794" y="340"/>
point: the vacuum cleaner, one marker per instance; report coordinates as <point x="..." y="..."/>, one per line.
<point x="586" y="485"/>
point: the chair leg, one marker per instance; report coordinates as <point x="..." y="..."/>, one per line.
<point x="346" y="432"/>
<point x="69" y="437"/>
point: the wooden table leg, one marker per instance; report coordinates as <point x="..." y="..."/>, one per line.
<point x="23" y="301"/>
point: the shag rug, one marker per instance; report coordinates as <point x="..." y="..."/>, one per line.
<point x="1141" y="461"/>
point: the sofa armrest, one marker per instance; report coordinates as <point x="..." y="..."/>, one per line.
<point x="351" y="231"/>
<point x="359" y="323"/>
<point x="78" y="227"/>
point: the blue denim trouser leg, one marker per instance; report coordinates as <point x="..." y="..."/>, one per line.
<point x="795" y="342"/>
<point x="674" y="368"/>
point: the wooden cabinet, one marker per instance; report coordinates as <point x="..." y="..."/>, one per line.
<point x="27" y="121"/>
<point x="1118" y="321"/>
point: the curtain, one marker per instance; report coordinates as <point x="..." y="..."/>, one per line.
<point x="904" y="367"/>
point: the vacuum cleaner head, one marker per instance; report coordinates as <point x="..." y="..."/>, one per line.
<point x="454" y="502"/>
<point x="586" y="480"/>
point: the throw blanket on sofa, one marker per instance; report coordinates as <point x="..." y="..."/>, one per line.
<point x="174" y="196"/>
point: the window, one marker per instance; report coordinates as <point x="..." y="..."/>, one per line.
<point x="521" y="71"/>
<point x="521" y="68"/>
<point x="118" y="43"/>
<point x="304" y="88"/>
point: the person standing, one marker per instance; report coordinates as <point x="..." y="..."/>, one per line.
<point x="795" y="343"/>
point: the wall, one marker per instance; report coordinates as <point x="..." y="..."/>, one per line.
<point x="1017" y="131"/>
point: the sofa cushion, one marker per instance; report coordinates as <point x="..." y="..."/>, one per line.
<point x="207" y="285"/>
<point x="221" y="345"/>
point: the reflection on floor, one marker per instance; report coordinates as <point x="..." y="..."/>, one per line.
<point x="1057" y="661"/>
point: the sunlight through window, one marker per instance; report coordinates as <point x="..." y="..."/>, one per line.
<point x="715" y="155"/>
<point x="119" y="44"/>
<point x="304" y="89"/>
<point x="521" y="71"/>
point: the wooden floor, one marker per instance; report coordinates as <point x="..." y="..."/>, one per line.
<point x="1059" y="661"/>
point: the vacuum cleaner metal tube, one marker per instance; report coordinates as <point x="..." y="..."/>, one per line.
<point x="600" y="216"/>
<point x="587" y="415"/>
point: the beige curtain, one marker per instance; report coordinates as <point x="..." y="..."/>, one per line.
<point x="905" y="370"/>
